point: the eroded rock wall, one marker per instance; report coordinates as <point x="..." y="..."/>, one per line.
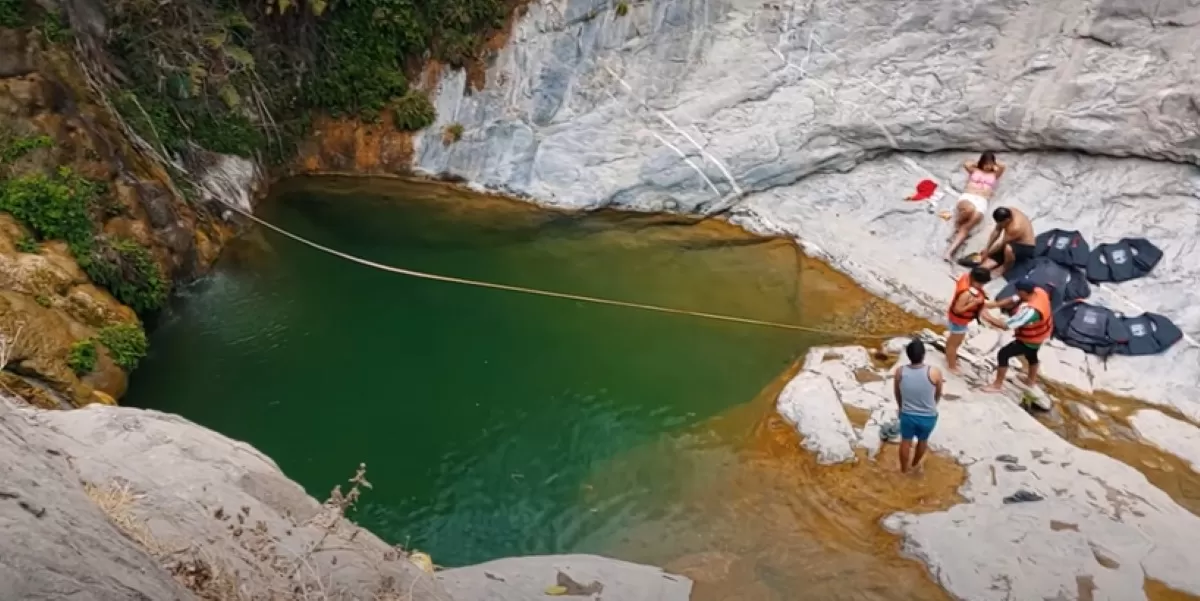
<point x="816" y="118"/>
<point x="47" y="302"/>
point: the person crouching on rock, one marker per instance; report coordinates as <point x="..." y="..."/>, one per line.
<point x="982" y="177"/>
<point x="1012" y="241"/>
<point x="1032" y="323"/>
<point x="965" y="306"/>
<point x="918" y="388"/>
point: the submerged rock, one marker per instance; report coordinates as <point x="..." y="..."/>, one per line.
<point x="580" y="576"/>
<point x="1070" y="515"/>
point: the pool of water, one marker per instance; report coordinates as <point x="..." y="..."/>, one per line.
<point x="495" y="423"/>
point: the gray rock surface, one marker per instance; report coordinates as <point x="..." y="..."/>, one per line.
<point x="816" y="118"/>
<point x="1098" y="532"/>
<point x="586" y="577"/>
<point x="114" y="503"/>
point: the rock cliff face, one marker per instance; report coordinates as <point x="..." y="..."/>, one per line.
<point x="816" y="118"/>
<point x="47" y="302"/>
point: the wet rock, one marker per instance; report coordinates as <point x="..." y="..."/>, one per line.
<point x="1173" y="436"/>
<point x="1011" y="519"/>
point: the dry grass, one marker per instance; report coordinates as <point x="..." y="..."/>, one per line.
<point x="117" y="502"/>
<point x="291" y="574"/>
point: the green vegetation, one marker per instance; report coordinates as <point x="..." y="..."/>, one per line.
<point x="15" y="148"/>
<point x="246" y="77"/>
<point x="12" y="13"/>
<point x="27" y="244"/>
<point x="413" y="111"/>
<point x="82" y="357"/>
<point x="66" y="206"/>
<point x="129" y="271"/>
<point x="42" y="300"/>
<point x="54" y="28"/>
<point x="452" y="133"/>
<point x="126" y="344"/>
<point x="54" y="207"/>
<point x="622" y="8"/>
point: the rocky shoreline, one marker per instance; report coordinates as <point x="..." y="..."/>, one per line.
<point x="1094" y="527"/>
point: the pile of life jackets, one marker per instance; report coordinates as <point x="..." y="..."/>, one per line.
<point x="1063" y="264"/>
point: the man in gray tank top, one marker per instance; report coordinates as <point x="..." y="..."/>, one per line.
<point x="918" y="388"/>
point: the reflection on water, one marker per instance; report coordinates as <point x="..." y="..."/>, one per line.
<point x="497" y="424"/>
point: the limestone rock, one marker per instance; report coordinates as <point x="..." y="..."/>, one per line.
<point x="107" y="503"/>
<point x="811" y="403"/>
<point x="1169" y="434"/>
<point x="1099" y="531"/>
<point x="524" y="578"/>
<point x="815" y="120"/>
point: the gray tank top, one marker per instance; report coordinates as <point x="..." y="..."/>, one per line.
<point x="916" y="391"/>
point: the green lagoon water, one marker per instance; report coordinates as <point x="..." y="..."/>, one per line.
<point x="491" y="423"/>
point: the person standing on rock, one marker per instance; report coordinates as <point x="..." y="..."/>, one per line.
<point x="918" y="388"/>
<point x="1032" y="323"/>
<point x="1012" y="241"/>
<point x="982" y="177"/>
<point x="965" y="306"/>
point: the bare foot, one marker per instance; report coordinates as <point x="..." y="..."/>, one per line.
<point x="992" y="388"/>
<point x="954" y="370"/>
<point x="1027" y="381"/>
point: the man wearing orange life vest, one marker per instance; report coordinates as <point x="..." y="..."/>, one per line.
<point x="1032" y="323"/>
<point x="965" y="307"/>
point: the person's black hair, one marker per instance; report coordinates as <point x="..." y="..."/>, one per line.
<point x="915" y="351"/>
<point x="1025" y="286"/>
<point x="1001" y="214"/>
<point x="980" y="275"/>
<point x="988" y="158"/>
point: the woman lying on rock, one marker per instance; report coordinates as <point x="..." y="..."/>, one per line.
<point x="982" y="177"/>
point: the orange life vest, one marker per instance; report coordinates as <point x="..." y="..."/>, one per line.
<point x="1040" y="330"/>
<point x="961" y="287"/>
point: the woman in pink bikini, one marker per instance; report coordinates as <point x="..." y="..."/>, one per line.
<point x="982" y="177"/>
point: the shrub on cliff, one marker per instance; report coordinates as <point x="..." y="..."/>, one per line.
<point x="126" y="344"/>
<point x="128" y="270"/>
<point x="244" y="78"/>
<point x="55" y="207"/>
<point x="12" y="13"/>
<point x="82" y="357"/>
<point x="413" y="111"/>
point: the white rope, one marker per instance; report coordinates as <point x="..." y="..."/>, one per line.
<point x="548" y="293"/>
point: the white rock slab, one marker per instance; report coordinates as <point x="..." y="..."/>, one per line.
<point x="1173" y="436"/>
<point x="810" y="403"/>
<point x="1099" y="532"/>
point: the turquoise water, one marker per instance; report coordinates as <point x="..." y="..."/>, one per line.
<point x="485" y="417"/>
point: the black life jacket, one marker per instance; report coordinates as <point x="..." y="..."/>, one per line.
<point x="1064" y="284"/>
<point x="1148" y="334"/>
<point x="1065" y="247"/>
<point x="1092" y="329"/>
<point x="1124" y="260"/>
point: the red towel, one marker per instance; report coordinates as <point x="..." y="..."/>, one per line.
<point x="925" y="190"/>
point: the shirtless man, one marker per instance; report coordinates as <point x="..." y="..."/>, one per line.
<point x="1011" y="241"/>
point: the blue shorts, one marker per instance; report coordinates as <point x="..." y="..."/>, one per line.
<point x="916" y="426"/>
<point x="957" y="329"/>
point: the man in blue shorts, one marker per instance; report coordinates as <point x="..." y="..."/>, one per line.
<point x="918" y="388"/>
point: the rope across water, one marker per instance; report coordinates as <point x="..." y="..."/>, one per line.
<point x="549" y="293"/>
